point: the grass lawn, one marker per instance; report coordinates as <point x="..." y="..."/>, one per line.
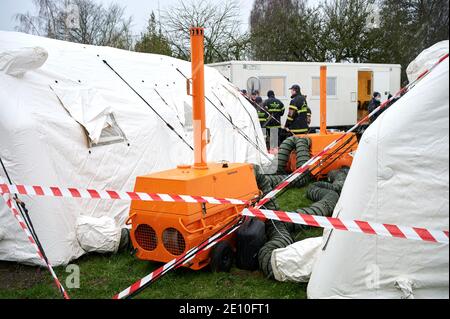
<point x="101" y="276"/>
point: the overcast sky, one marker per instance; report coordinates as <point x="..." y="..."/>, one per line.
<point x="139" y="9"/>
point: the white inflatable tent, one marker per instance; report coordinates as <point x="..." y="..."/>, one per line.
<point x="67" y="120"/>
<point x="400" y="175"/>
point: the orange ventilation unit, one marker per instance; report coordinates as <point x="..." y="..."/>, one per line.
<point x="340" y="155"/>
<point x="162" y="231"/>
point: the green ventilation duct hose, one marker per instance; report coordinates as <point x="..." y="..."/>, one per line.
<point x="301" y="146"/>
<point x="325" y="196"/>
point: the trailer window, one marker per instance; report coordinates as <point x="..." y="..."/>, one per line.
<point x="276" y="84"/>
<point x="331" y="86"/>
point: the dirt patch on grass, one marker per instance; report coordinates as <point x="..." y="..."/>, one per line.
<point x="16" y="276"/>
<point x="246" y="273"/>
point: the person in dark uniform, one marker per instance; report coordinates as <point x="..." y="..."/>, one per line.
<point x="276" y="110"/>
<point x="297" y="121"/>
<point x="263" y="116"/>
<point x="373" y="104"/>
<point x="254" y="95"/>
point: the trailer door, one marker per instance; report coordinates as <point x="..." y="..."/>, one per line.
<point x="382" y="83"/>
<point x="365" y="84"/>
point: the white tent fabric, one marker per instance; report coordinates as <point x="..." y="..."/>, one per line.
<point x="400" y="175"/>
<point x="101" y="235"/>
<point x="295" y="262"/>
<point x="45" y="142"/>
<point x="426" y="59"/>
<point x="18" y="62"/>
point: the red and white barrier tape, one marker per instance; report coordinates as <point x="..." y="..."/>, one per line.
<point x="297" y="173"/>
<point x="354" y="226"/>
<point x="10" y="203"/>
<point x="179" y="261"/>
<point x="116" y="195"/>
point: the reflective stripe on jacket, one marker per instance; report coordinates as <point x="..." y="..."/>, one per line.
<point x="276" y="109"/>
<point x="297" y="117"/>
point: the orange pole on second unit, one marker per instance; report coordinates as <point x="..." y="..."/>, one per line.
<point x="198" y="97"/>
<point x="323" y="100"/>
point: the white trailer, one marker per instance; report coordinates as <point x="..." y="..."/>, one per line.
<point x="349" y="85"/>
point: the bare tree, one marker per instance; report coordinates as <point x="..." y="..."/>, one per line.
<point x="224" y="39"/>
<point x="81" y="21"/>
<point x="44" y="23"/>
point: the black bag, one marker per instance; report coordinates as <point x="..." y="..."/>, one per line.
<point x="251" y="236"/>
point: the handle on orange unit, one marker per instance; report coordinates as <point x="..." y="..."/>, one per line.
<point x="128" y="221"/>
<point x="226" y="221"/>
<point x="204" y="227"/>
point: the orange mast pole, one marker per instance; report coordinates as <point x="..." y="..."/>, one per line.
<point x="323" y="100"/>
<point x="198" y="97"/>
